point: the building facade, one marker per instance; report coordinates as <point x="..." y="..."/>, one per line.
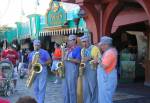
<point x="128" y="22"/>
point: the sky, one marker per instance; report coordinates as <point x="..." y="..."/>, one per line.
<point x="11" y="10"/>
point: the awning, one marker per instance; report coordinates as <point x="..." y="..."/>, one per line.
<point x="25" y="36"/>
<point x="61" y="31"/>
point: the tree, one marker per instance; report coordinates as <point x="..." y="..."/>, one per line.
<point x="4" y="28"/>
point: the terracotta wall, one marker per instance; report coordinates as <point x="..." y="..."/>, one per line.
<point x="101" y="15"/>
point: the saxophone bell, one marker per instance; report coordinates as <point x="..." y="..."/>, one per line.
<point x="82" y="65"/>
<point x="37" y="68"/>
<point x="60" y="69"/>
<point x="59" y="65"/>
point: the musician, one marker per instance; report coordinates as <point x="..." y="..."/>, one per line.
<point x="106" y="72"/>
<point x="41" y="78"/>
<point x="90" y="92"/>
<point x="72" y="60"/>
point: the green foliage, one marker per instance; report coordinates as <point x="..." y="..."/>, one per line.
<point x="4" y="28"/>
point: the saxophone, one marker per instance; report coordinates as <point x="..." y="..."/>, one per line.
<point x="82" y="64"/>
<point x="35" y="69"/>
<point x="60" y="65"/>
<point x="79" y="83"/>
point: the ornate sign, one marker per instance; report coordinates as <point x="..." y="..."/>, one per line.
<point x="56" y="16"/>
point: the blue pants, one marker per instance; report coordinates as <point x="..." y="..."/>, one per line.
<point x="40" y="85"/>
<point x="107" y="84"/>
<point x="90" y="90"/>
<point x="70" y="82"/>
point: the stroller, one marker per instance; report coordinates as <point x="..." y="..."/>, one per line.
<point x="6" y="82"/>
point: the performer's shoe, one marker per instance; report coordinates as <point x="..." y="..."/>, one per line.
<point x="56" y="81"/>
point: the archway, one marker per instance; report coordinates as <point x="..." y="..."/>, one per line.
<point x="123" y="17"/>
<point x="114" y="7"/>
<point x="91" y="20"/>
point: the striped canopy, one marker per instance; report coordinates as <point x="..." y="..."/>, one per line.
<point x="61" y="31"/>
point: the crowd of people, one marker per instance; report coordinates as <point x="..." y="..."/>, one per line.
<point x="99" y="82"/>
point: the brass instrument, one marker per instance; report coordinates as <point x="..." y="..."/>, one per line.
<point x="60" y="70"/>
<point x="95" y="54"/>
<point x="80" y="79"/>
<point x="82" y="64"/>
<point x="35" y="69"/>
<point x="60" y="65"/>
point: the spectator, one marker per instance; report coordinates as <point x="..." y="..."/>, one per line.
<point x="4" y="101"/>
<point x="11" y="54"/>
<point x="26" y="99"/>
<point x="15" y="42"/>
<point x="56" y="59"/>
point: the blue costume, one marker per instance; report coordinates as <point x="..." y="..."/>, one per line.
<point x="90" y="91"/>
<point x="71" y="76"/>
<point x="107" y="81"/>
<point x="107" y="85"/>
<point x="41" y="78"/>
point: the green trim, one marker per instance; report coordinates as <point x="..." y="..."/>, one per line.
<point x="72" y="24"/>
<point x="82" y="23"/>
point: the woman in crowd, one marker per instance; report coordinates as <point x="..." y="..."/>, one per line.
<point x="56" y="59"/>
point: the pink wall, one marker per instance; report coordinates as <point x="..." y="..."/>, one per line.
<point x="129" y="16"/>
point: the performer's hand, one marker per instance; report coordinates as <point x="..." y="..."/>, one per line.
<point x="73" y="60"/>
<point x="96" y="61"/>
<point x="85" y="59"/>
<point x="69" y="59"/>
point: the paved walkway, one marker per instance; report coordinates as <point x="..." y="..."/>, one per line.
<point x="53" y="91"/>
<point x="132" y="93"/>
<point x="126" y="93"/>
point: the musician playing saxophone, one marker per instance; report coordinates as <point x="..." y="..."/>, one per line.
<point x="107" y="72"/>
<point x="71" y="64"/>
<point x="90" y="93"/>
<point x="40" y="80"/>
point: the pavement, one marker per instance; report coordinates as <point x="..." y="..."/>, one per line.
<point x="126" y="93"/>
<point x="132" y="93"/>
<point x="53" y="91"/>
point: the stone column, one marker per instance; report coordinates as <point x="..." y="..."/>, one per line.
<point x="147" y="65"/>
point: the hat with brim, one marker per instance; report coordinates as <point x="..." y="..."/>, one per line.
<point x="105" y="40"/>
<point x="36" y="42"/>
<point x="72" y="37"/>
<point x="84" y="38"/>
